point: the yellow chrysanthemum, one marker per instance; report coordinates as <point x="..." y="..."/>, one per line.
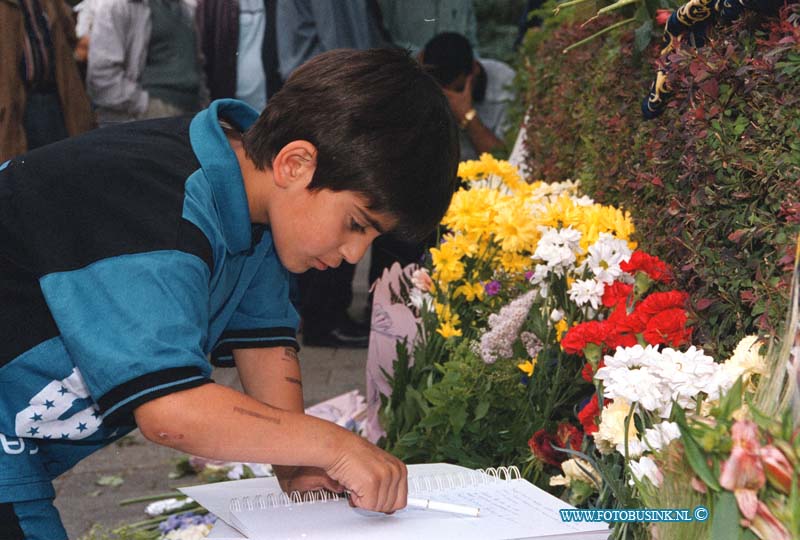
<point x="561" y="329"/>
<point x="447" y="265"/>
<point x="491" y="169"/>
<point x="514" y="263"/>
<point x="527" y="366"/>
<point x="513" y="227"/>
<point x="470" y="291"/>
<point x="471" y="210"/>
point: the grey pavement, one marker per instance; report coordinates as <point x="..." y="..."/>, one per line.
<point x="144" y="467"/>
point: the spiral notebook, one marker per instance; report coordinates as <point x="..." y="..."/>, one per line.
<point x="510" y="508"/>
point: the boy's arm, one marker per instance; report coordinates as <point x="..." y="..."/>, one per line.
<point x="220" y="423"/>
<point x="273" y="377"/>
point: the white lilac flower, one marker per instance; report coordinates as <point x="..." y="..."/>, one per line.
<point x="646" y="468"/>
<point x="258" y="469"/>
<point x="660" y="435"/>
<point x="631" y="374"/>
<point x="533" y="345"/>
<point x="587" y="291"/>
<point x="605" y="256"/>
<point x="504" y="327"/>
<point x="558" y="248"/>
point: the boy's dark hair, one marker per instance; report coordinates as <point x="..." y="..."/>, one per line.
<point x="382" y="128"/>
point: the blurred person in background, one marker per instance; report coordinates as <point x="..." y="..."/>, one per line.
<point x="478" y="97"/>
<point x="42" y="97"/>
<point x="306" y="28"/>
<point x="144" y="60"/>
<point x="412" y="23"/>
<point x="477" y="90"/>
<point x="239" y="48"/>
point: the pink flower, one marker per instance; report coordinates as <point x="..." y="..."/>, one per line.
<point x="662" y="16"/>
<point x="766" y="526"/>
<point x="778" y="468"/>
<point x="743" y="472"/>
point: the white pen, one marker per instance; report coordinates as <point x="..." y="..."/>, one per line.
<point x="427" y="504"/>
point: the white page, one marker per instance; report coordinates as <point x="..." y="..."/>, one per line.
<point x="509" y="510"/>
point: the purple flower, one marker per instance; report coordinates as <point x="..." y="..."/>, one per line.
<point x="528" y="275"/>
<point x="492" y="288"/>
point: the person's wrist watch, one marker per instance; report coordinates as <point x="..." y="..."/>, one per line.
<point x="468" y="117"/>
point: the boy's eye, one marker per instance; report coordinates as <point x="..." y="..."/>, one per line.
<point x="356" y="226"/>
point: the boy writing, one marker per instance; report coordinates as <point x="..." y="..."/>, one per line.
<point x="130" y="255"/>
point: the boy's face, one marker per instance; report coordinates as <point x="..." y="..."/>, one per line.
<point x="322" y="228"/>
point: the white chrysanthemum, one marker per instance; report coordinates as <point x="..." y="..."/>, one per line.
<point x="540" y="273"/>
<point x="688" y="373"/>
<point x="605" y="256"/>
<point x="556" y="315"/>
<point x="630" y="374"/>
<point x="611" y="431"/>
<point x="745" y="360"/>
<point x="587" y="291"/>
<point x="558" y="248"/>
<point x="660" y="435"/>
<point x="646" y="468"/>
<point x="583" y="200"/>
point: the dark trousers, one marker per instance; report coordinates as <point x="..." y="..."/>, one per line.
<point x="387" y="250"/>
<point x="325" y="297"/>
<point x="43" y="119"/>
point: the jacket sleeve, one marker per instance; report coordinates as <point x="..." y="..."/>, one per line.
<point x="107" y="78"/>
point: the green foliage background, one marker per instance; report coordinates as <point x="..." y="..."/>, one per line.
<point x="713" y="184"/>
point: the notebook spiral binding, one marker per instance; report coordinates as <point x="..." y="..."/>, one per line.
<point x="418" y="484"/>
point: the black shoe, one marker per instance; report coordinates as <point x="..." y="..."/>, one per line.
<point x="337" y="338"/>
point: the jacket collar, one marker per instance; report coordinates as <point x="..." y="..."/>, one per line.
<point x="221" y="167"/>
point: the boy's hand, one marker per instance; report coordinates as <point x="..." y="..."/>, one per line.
<point x="376" y="480"/>
<point x="293" y="478"/>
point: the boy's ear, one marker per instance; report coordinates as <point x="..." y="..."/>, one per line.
<point x="295" y="164"/>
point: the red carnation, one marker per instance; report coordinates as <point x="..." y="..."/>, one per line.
<point x="577" y="337"/>
<point x="541" y="444"/>
<point x="668" y="328"/>
<point x="588" y="414"/>
<point x="616" y="293"/>
<point x="660" y="301"/>
<point x="652" y="266"/>
<point x="621" y="328"/>
<point x="587" y="373"/>
<point x="568" y="436"/>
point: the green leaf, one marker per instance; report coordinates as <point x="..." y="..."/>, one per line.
<point x="694" y="455"/>
<point x="732" y="401"/>
<point x="458" y="417"/>
<point x="725" y="521"/>
<point x="643" y="35"/>
<point x="481" y="409"/>
<point x="111" y="480"/>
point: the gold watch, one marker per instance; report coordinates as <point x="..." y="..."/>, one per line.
<point x="468" y="117"/>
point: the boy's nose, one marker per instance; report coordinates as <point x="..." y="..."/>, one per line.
<point x="354" y="250"/>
